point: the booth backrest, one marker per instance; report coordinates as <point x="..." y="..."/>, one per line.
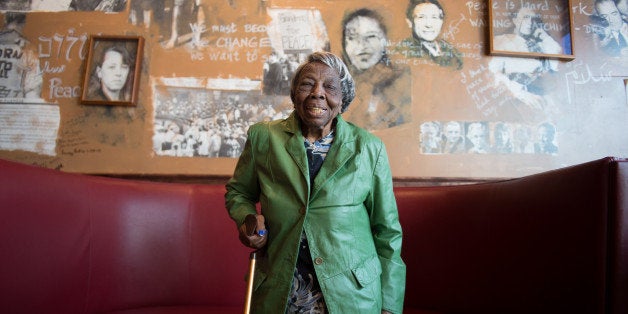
<point x="555" y="242"/>
<point x="618" y="265"/>
<point x="72" y="243"/>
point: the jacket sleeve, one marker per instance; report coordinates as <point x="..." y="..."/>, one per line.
<point x="387" y="234"/>
<point x="243" y="188"/>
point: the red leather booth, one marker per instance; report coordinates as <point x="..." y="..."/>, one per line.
<point x="554" y="242"/>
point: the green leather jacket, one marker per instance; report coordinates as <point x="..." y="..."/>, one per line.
<point x="349" y="215"/>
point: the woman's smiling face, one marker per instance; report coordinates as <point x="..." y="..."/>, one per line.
<point x="318" y="98"/>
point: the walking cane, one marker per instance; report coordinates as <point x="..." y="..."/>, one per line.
<point x="249" y="284"/>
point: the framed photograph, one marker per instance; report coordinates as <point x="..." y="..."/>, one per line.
<point x="112" y="70"/>
<point x="531" y="28"/>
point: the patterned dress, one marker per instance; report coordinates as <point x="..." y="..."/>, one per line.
<point x="306" y="295"/>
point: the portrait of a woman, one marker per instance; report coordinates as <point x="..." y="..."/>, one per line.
<point x="383" y="99"/>
<point x="110" y="79"/>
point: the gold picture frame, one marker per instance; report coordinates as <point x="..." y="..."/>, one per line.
<point x="112" y="70"/>
<point x="531" y="28"/>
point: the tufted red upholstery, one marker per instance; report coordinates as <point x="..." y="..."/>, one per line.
<point x="555" y="242"/>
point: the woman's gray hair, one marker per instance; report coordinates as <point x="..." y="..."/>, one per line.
<point x="347" y="85"/>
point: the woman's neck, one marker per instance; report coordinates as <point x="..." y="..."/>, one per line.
<point x="313" y="134"/>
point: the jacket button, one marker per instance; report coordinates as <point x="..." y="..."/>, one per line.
<point x="318" y="260"/>
<point x="302" y="210"/>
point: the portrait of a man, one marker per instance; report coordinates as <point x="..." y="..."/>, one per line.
<point x="613" y="35"/>
<point x="425" y="18"/>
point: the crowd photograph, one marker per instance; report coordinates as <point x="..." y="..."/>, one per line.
<point x="193" y="122"/>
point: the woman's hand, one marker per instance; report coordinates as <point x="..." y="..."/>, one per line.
<point x="252" y="232"/>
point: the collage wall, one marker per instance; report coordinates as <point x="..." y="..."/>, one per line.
<point x="430" y="81"/>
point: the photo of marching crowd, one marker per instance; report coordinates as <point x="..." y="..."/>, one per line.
<point x="195" y="122"/>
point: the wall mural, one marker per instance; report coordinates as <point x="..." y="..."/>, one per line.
<point x="63" y="5"/>
<point x="425" y="82"/>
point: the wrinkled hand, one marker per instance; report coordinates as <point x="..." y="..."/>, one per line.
<point x="252" y="232"/>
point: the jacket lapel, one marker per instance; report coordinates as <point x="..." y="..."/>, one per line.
<point x="341" y="151"/>
<point x="294" y="146"/>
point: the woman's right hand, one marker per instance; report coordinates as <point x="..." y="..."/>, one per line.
<point x="252" y="232"/>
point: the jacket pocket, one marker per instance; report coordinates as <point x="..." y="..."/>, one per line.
<point x="368" y="271"/>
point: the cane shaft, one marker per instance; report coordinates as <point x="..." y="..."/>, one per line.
<point x="249" y="285"/>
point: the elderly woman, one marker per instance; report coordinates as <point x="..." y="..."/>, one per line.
<point x="333" y="242"/>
